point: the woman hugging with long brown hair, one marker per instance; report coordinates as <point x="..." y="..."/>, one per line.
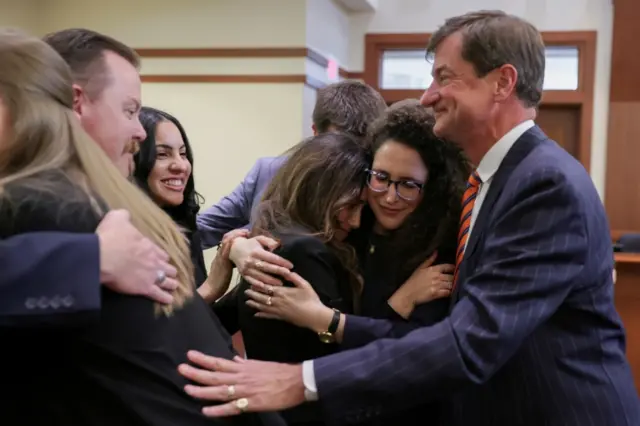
<point x="310" y="207"/>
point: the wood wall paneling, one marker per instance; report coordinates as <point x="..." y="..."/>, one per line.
<point x="627" y="300"/>
<point x="249" y="52"/>
<point x="622" y="185"/>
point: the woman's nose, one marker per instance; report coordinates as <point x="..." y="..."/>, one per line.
<point x="179" y="165"/>
<point x="355" y="220"/>
<point x="391" y="196"/>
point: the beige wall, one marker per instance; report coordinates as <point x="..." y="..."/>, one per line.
<point x="184" y="23"/>
<point x="19" y="14"/>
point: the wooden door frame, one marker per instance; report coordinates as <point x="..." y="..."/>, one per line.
<point x="582" y="97"/>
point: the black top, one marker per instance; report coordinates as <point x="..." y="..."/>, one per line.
<point x="382" y="277"/>
<point x="190" y="230"/>
<point x="121" y="370"/>
<point x="383" y="274"/>
<point x="275" y="340"/>
<point x="225" y="308"/>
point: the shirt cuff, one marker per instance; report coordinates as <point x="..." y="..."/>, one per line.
<point x="309" y="381"/>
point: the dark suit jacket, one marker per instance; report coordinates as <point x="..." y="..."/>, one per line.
<point x="49" y="279"/>
<point x="533" y="337"/>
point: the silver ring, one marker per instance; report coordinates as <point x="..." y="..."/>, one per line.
<point x="160" y="277"/>
<point x="269" y="301"/>
<point x="259" y="264"/>
<point x="231" y="391"/>
<point x="270" y="290"/>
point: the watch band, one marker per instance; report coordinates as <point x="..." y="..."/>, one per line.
<point x="335" y="322"/>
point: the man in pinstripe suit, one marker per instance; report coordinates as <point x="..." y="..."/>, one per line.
<point x="533" y="337"/>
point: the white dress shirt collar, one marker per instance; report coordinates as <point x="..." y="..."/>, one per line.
<point x="493" y="158"/>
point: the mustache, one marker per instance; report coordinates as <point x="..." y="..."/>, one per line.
<point x="132" y="147"/>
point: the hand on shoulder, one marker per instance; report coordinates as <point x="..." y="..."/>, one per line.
<point x="132" y="264"/>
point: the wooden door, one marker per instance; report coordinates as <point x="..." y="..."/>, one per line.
<point x="562" y="124"/>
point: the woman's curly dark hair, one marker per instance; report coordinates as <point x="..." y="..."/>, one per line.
<point x="434" y="223"/>
<point x="145" y="159"/>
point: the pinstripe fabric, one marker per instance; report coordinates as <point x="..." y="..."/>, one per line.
<point x="468" y="201"/>
<point x="534" y="338"/>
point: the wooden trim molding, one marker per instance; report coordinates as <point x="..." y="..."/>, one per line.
<point x="211" y="78"/>
<point x="626" y="257"/>
<point x="248" y="52"/>
<point x="585" y="41"/>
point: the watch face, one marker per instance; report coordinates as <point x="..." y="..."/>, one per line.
<point x="325" y="337"/>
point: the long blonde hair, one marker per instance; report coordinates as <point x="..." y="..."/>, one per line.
<point x="45" y="135"/>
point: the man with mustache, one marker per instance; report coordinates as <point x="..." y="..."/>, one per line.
<point x="107" y="101"/>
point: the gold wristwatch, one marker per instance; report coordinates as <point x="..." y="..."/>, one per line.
<point x="329" y="335"/>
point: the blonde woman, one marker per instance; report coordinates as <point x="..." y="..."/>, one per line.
<point x="121" y="369"/>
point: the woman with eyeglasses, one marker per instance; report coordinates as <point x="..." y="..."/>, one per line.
<point x="415" y="184"/>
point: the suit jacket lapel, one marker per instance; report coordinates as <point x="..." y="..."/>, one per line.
<point x="523" y="146"/>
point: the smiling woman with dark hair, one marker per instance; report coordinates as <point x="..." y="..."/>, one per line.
<point x="164" y="169"/>
<point x="154" y="171"/>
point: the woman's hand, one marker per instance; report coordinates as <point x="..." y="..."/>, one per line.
<point x="424" y="285"/>
<point x="221" y="271"/>
<point x="298" y="305"/>
<point x="254" y="259"/>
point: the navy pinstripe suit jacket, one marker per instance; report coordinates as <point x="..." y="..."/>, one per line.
<point x="533" y="338"/>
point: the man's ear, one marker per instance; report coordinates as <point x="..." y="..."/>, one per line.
<point x="315" y="130"/>
<point x="78" y="99"/>
<point x="506" y="79"/>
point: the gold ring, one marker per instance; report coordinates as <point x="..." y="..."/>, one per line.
<point x="270" y="290"/>
<point x="259" y="264"/>
<point x="269" y="301"/>
<point x="231" y="391"/>
<point x="242" y="404"/>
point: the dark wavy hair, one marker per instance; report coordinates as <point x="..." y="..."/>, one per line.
<point x="145" y="159"/>
<point x="321" y="175"/>
<point x="433" y="225"/>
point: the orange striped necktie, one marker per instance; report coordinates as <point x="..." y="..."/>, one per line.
<point x="468" y="201"/>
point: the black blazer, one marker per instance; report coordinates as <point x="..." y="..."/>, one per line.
<point x="120" y="370"/>
<point x="274" y="340"/>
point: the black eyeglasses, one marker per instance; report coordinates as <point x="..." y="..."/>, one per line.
<point x="406" y="189"/>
